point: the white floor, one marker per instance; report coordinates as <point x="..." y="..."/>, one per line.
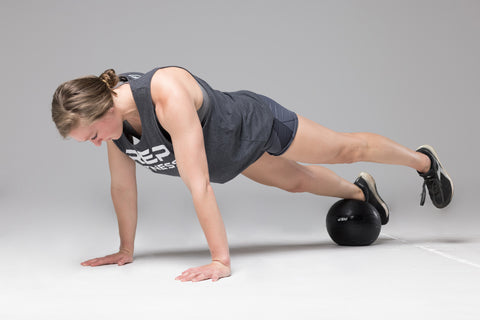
<point x="424" y="265"/>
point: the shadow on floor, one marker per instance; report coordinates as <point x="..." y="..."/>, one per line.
<point x="257" y="249"/>
<point x="253" y="249"/>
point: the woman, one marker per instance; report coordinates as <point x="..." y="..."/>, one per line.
<point x="174" y="123"/>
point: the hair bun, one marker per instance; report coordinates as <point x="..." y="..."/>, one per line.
<point x="109" y="77"/>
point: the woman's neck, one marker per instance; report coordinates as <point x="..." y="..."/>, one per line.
<point x="125" y="103"/>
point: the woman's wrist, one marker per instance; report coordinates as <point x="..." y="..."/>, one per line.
<point x="127" y="250"/>
<point x="224" y="261"/>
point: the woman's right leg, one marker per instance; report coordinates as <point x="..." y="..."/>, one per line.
<point x="317" y="144"/>
<point x="314" y="143"/>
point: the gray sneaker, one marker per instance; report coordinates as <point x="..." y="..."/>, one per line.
<point x="438" y="182"/>
<point x="369" y="188"/>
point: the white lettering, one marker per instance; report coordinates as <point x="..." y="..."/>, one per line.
<point x="151" y="158"/>
<point x="163" y="166"/>
<point x="134" y="76"/>
<point x="162" y="152"/>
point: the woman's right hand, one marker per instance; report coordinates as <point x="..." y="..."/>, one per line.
<point x="120" y="258"/>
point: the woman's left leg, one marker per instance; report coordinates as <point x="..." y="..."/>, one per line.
<point x="314" y="143"/>
<point x="291" y="176"/>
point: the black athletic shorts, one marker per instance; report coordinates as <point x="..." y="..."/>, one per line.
<point x="285" y="124"/>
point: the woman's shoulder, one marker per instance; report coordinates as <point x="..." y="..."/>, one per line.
<point x="171" y="75"/>
<point x="168" y="82"/>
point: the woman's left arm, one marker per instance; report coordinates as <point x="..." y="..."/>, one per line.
<point x="175" y="109"/>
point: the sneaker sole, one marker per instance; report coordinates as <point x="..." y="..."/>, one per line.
<point x="373" y="186"/>
<point x="430" y="148"/>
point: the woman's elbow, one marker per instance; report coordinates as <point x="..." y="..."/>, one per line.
<point x="200" y="188"/>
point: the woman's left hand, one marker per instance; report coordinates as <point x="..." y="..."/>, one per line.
<point x="215" y="270"/>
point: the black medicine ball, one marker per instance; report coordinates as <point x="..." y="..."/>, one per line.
<point x="353" y="223"/>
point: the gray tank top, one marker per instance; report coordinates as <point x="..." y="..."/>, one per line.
<point x="236" y="129"/>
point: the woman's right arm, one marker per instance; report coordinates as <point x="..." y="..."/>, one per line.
<point x="124" y="197"/>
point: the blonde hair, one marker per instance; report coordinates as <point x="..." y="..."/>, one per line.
<point x="84" y="99"/>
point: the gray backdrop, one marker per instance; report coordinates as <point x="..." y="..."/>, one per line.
<point x="406" y="69"/>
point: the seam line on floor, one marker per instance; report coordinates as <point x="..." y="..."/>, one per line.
<point x="435" y="251"/>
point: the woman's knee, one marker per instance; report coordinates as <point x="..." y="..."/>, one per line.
<point x="299" y="182"/>
<point x="353" y="148"/>
<point x="296" y="186"/>
<point x="294" y="179"/>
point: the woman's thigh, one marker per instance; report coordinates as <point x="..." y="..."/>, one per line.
<point x="278" y="172"/>
<point x="314" y="143"/>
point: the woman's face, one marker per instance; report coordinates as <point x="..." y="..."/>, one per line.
<point x="108" y="127"/>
